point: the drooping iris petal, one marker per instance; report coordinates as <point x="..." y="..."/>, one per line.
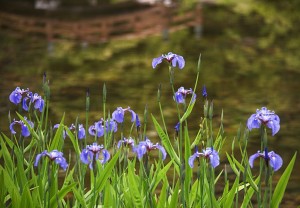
<point x="178" y="60"/>
<point x="156" y="61"/>
<point x="162" y="150"/>
<point x="106" y="156"/>
<point x="192" y="159"/>
<point x="85" y="155"/>
<point x="252" y="158"/>
<point x="253" y="122"/>
<point x="118" y="115"/>
<point x="81" y="132"/>
<point x="179" y="98"/>
<point x="38" y="157"/>
<point x="16" y="95"/>
<point x="275" y="161"/>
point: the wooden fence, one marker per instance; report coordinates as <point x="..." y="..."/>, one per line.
<point x="153" y="20"/>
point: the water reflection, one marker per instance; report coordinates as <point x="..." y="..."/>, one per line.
<point x="135" y="83"/>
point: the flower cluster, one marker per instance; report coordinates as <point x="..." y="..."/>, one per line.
<point x="272" y="121"/>
<point x="27" y="98"/>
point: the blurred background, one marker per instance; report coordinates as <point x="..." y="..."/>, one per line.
<point x="250" y="58"/>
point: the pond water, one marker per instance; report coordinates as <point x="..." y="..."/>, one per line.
<point x="130" y="81"/>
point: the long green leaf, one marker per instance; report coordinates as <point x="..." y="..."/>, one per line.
<point x="230" y="196"/>
<point x="249" y="194"/>
<point x="188" y="111"/>
<point x="105" y="174"/>
<point x="160" y="175"/>
<point x="58" y="140"/>
<point x="163" y="195"/>
<point x="61" y="194"/>
<point x="188" y="169"/>
<point x="26" y="198"/>
<point x="133" y="187"/>
<point x="166" y="141"/>
<point x="282" y="183"/>
<point x="174" y="198"/>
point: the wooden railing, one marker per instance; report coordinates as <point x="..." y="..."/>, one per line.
<point x="153" y="20"/>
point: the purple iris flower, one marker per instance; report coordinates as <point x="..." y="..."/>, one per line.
<point x="172" y="58"/>
<point x="24" y="128"/>
<point x="55" y="156"/>
<point x="209" y="153"/>
<point x="35" y="100"/>
<point x="97" y="129"/>
<point x="125" y="142"/>
<point x="81" y="130"/>
<point x="111" y="125"/>
<point x="145" y="146"/>
<point x="17" y="95"/>
<point x="118" y="114"/>
<point x="181" y="93"/>
<point x="265" y="117"/>
<point x="271" y="158"/>
<point x="92" y="152"/>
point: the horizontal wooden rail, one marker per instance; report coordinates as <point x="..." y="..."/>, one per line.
<point x="152" y="20"/>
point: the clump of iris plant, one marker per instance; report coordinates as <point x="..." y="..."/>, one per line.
<point x="208" y="153"/>
<point x="172" y="58"/>
<point x="271" y="158"/>
<point x="264" y="117"/>
<point x="80" y="134"/>
<point x="181" y="93"/>
<point x="24" y="128"/>
<point x="91" y="153"/>
<point x="27" y="98"/>
<point x="146" y="146"/>
<point x="55" y="156"/>
<point x="125" y="142"/>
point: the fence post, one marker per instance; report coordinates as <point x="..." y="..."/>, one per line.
<point x="198" y="21"/>
<point x="166" y="20"/>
